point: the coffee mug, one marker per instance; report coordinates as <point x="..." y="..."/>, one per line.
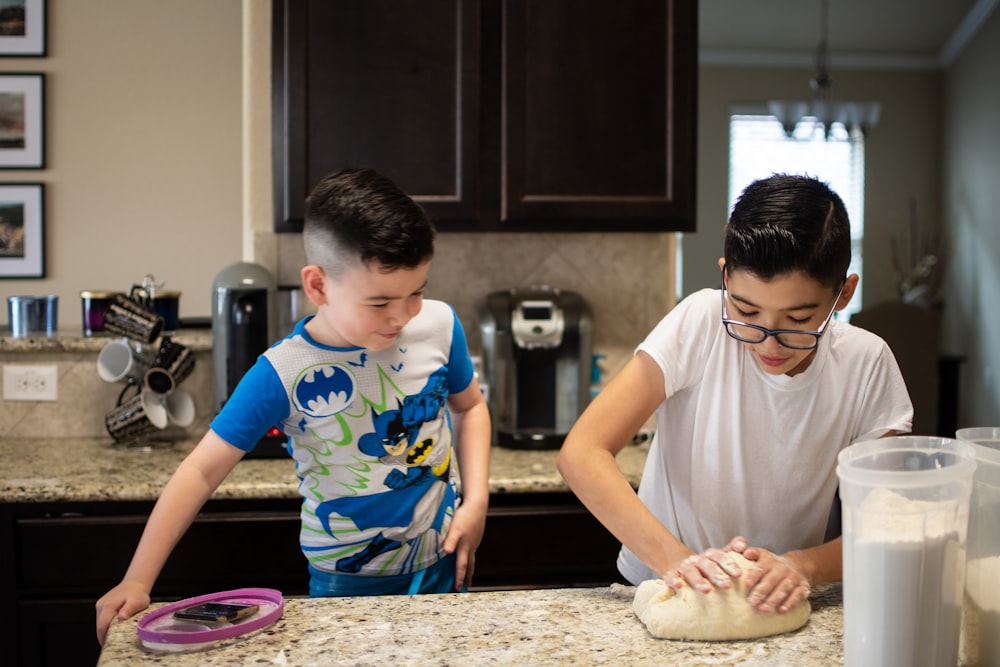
<point x="158" y="381"/>
<point x="127" y="317"/>
<point x="180" y="408"/>
<point x="120" y="360"/>
<point x="136" y="416"/>
<point x="175" y="359"/>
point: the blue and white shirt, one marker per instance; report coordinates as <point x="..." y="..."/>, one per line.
<point x="371" y="437"/>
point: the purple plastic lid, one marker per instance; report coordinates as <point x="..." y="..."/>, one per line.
<point x="159" y="628"/>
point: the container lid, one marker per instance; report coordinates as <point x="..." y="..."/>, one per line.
<point x="158" y="294"/>
<point x="48" y="298"/>
<point x="906" y="461"/>
<point x="159" y="631"/>
<point x="98" y="294"/>
<point x="985" y="440"/>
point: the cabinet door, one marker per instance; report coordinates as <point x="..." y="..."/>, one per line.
<point x="598" y="114"/>
<point x="387" y="84"/>
<point x="544" y="540"/>
<point x="56" y="632"/>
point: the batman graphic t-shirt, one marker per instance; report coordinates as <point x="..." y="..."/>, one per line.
<point x="371" y="437"/>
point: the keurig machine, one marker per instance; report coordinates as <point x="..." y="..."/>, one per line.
<point x="244" y="317"/>
<point x="537" y="347"/>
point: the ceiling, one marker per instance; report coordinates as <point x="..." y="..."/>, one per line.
<point x="867" y="34"/>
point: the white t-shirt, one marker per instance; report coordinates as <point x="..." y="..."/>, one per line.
<point x="741" y="452"/>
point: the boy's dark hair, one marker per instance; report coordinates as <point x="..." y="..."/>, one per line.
<point x="360" y="215"/>
<point x="789" y="223"/>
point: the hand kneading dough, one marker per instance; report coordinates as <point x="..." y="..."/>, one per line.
<point x="719" y="615"/>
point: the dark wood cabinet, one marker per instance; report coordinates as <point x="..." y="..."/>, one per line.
<point x="56" y="559"/>
<point x="520" y="115"/>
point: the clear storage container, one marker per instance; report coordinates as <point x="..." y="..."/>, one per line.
<point x="905" y="522"/>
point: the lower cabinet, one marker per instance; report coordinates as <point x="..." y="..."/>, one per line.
<point x="56" y="559"/>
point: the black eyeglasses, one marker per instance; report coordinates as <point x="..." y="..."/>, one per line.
<point x="793" y="338"/>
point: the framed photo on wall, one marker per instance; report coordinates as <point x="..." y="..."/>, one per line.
<point x="22" y="28"/>
<point x="22" y="121"/>
<point x="22" y="230"/>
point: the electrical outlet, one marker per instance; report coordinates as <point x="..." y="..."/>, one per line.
<point x="30" y="383"/>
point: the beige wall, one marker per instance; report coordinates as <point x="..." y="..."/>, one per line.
<point x="902" y="154"/>
<point x="143" y="148"/>
<point x="972" y="212"/>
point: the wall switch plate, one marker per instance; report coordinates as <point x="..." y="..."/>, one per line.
<point x="30" y="383"/>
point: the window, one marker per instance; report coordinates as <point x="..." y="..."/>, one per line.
<point x="758" y="147"/>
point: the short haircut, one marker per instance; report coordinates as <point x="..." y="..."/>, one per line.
<point x="789" y="223"/>
<point x="358" y="216"/>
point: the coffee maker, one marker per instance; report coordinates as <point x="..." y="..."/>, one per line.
<point x="244" y="320"/>
<point x="537" y="352"/>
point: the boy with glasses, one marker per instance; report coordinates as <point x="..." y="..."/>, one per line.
<point x="751" y="411"/>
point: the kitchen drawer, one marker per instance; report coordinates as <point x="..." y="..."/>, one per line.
<point x="544" y="540"/>
<point x="219" y="551"/>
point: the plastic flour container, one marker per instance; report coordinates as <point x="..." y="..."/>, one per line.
<point x="905" y="523"/>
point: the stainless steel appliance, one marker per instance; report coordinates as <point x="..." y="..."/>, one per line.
<point x="537" y="346"/>
<point x="244" y="320"/>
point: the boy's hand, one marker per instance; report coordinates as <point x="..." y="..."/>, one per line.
<point x="464" y="536"/>
<point x="776" y="584"/>
<point x="702" y="572"/>
<point x="120" y="602"/>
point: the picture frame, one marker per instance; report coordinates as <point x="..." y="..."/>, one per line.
<point x="22" y="28"/>
<point x="22" y="120"/>
<point x="22" y="230"/>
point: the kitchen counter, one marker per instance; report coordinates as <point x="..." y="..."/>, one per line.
<point x="72" y="511"/>
<point x="589" y="626"/>
<point x="90" y="469"/>
<point x="197" y="340"/>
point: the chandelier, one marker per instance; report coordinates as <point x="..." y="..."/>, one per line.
<point x="855" y="116"/>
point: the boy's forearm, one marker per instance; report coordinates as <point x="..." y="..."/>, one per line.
<point x="822" y="564"/>
<point x="172" y="515"/>
<point x="473" y="451"/>
<point x="185" y="493"/>
<point x="598" y="482"/>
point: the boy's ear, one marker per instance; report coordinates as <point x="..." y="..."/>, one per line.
<point x="314" y="284"/>
<point x="850" y="285"/>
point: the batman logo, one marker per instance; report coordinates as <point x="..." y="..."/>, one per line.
<point x="324" y="390"/>
<point x="419" y="452"/>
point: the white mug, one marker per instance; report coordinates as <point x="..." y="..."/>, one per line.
<point x="118" y="360"/>
<point x="134" y="417"/>
<point x="180" y="407"/>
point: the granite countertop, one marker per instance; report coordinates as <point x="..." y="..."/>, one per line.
<point x="90" y="469"/>
<point x="583" y="626"/>
<point x="197" y="340"/>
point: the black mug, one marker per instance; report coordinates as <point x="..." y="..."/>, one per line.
<point x="127" y="317"/>
<point x="175" y="359"/>
<point x="136" y="416"/>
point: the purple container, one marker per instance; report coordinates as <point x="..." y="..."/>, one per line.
<point x="94" y="304"/>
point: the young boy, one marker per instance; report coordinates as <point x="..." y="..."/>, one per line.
<point x="366" y="391"/>
<point x="752" y="409"/>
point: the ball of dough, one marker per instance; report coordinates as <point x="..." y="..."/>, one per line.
<point x="720" y="615"/>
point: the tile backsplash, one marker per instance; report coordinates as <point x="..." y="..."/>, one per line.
<point x="84" y="398"/>
<point x="627" y="278"/>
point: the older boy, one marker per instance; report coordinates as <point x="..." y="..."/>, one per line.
<point x="756" y="390"/>
<point x="366" y="391"/>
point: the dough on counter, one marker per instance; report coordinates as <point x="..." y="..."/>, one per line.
<point x="719" y="615"/>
